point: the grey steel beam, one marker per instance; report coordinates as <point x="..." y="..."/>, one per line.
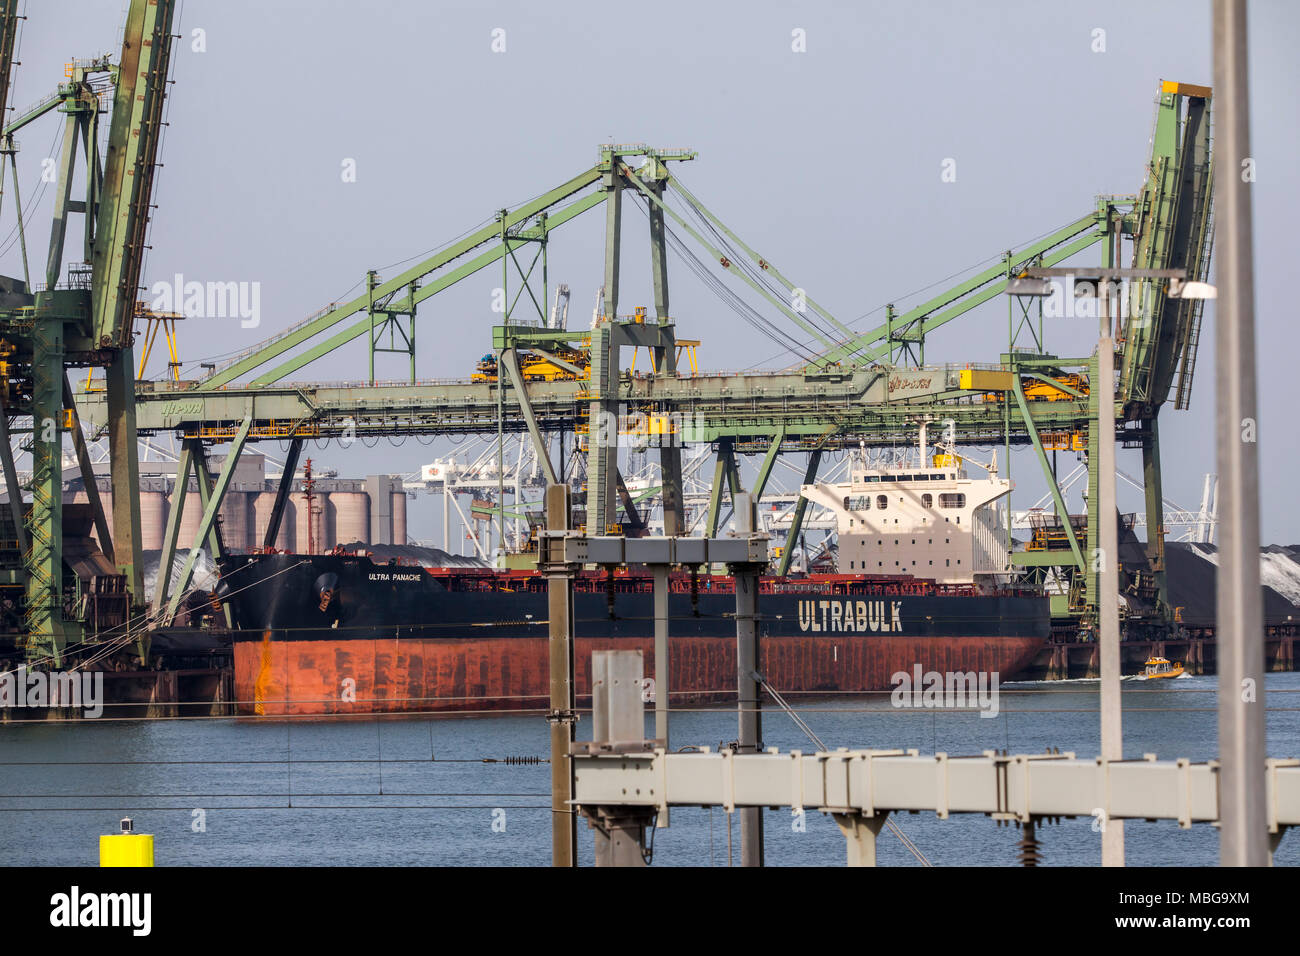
<point x="1014" y="786"/>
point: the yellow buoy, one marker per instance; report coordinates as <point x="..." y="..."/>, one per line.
<point x="127" y="848"/>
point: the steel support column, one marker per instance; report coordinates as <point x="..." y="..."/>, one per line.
<point x="1242" y="834"/>
<point x="203" y="479"/>
<point x="12" y="488"/>
<point x="860" y="833"/>
<point x="765" y="469"/>
<point x="1108" y="632"/>
<point x="211" y="506"/>
<point x="87" y="472"/>
<point x="171" y="534"/>
<point x="602" y="431"/>
<point x="612" y="184"/>
<point x="510" y="359"/>
<point x="748" y="704"/>
<point x="282" y="494"/>
<point x="124" y="466"/>
<point x="44" y="625"/>
<point x="721" y="473"/>
<point x="1052" y="486"/>
<point x="665" y="359"/>
<point x="796" y="520"/>
<point x="1153" y="487"/>
<point x="662" y="672"/>
<point x="563" y="711"/>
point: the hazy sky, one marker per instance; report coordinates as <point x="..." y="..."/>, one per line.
<point x="827" y="161"/>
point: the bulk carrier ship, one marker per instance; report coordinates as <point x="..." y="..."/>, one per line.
<point x="923" y="580"/>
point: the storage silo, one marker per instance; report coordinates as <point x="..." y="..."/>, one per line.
<point x="399" y="517"/>
<point x="153" y="519"/>
<point x="263" y="505"/>
<point x="235" y="520"/>
<point x="190" y="517"/>
<point x="319" y="522"/>
<point x="350" y="514"/>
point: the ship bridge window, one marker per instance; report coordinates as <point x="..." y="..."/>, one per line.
<point x="938" y="477"/>
<point x="904" y="477"/>
<point x="920" y="477"/>
<point x="927" y="500"/>
<point x="868" y="478"/>
<point x="952" y="501"/>
<point x="882" y="502"/>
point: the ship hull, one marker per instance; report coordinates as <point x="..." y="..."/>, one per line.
<point x="340" y="635"/>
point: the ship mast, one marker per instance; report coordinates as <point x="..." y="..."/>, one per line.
<point x="309" y="495"/>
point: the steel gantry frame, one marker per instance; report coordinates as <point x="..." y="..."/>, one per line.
<point x="851" y="392"/>
<point x="86" y="319"/>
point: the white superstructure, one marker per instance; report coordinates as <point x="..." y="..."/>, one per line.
<point x="928" y="520"/>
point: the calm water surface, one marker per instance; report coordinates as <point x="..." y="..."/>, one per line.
<point x="416" y="791"/>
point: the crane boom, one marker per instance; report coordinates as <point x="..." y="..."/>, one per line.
<point x="128" y="173"/>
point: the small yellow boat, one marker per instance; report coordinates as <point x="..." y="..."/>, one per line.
<point x="1158" y="667"/>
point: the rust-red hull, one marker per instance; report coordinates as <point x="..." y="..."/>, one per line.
<point x="357" y="675"/>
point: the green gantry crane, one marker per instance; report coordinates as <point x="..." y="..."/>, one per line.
<point x="850" y="387"/>
<point x="82" y="319"/>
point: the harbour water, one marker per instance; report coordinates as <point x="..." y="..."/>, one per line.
<point x="417" y="791"/>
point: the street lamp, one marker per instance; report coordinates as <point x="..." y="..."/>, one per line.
<point x="1039" y="281"/>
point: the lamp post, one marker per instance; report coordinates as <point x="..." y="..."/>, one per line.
<point x="1038" y="281"/>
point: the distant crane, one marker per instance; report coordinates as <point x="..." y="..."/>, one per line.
<point x="560" y="311"/>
